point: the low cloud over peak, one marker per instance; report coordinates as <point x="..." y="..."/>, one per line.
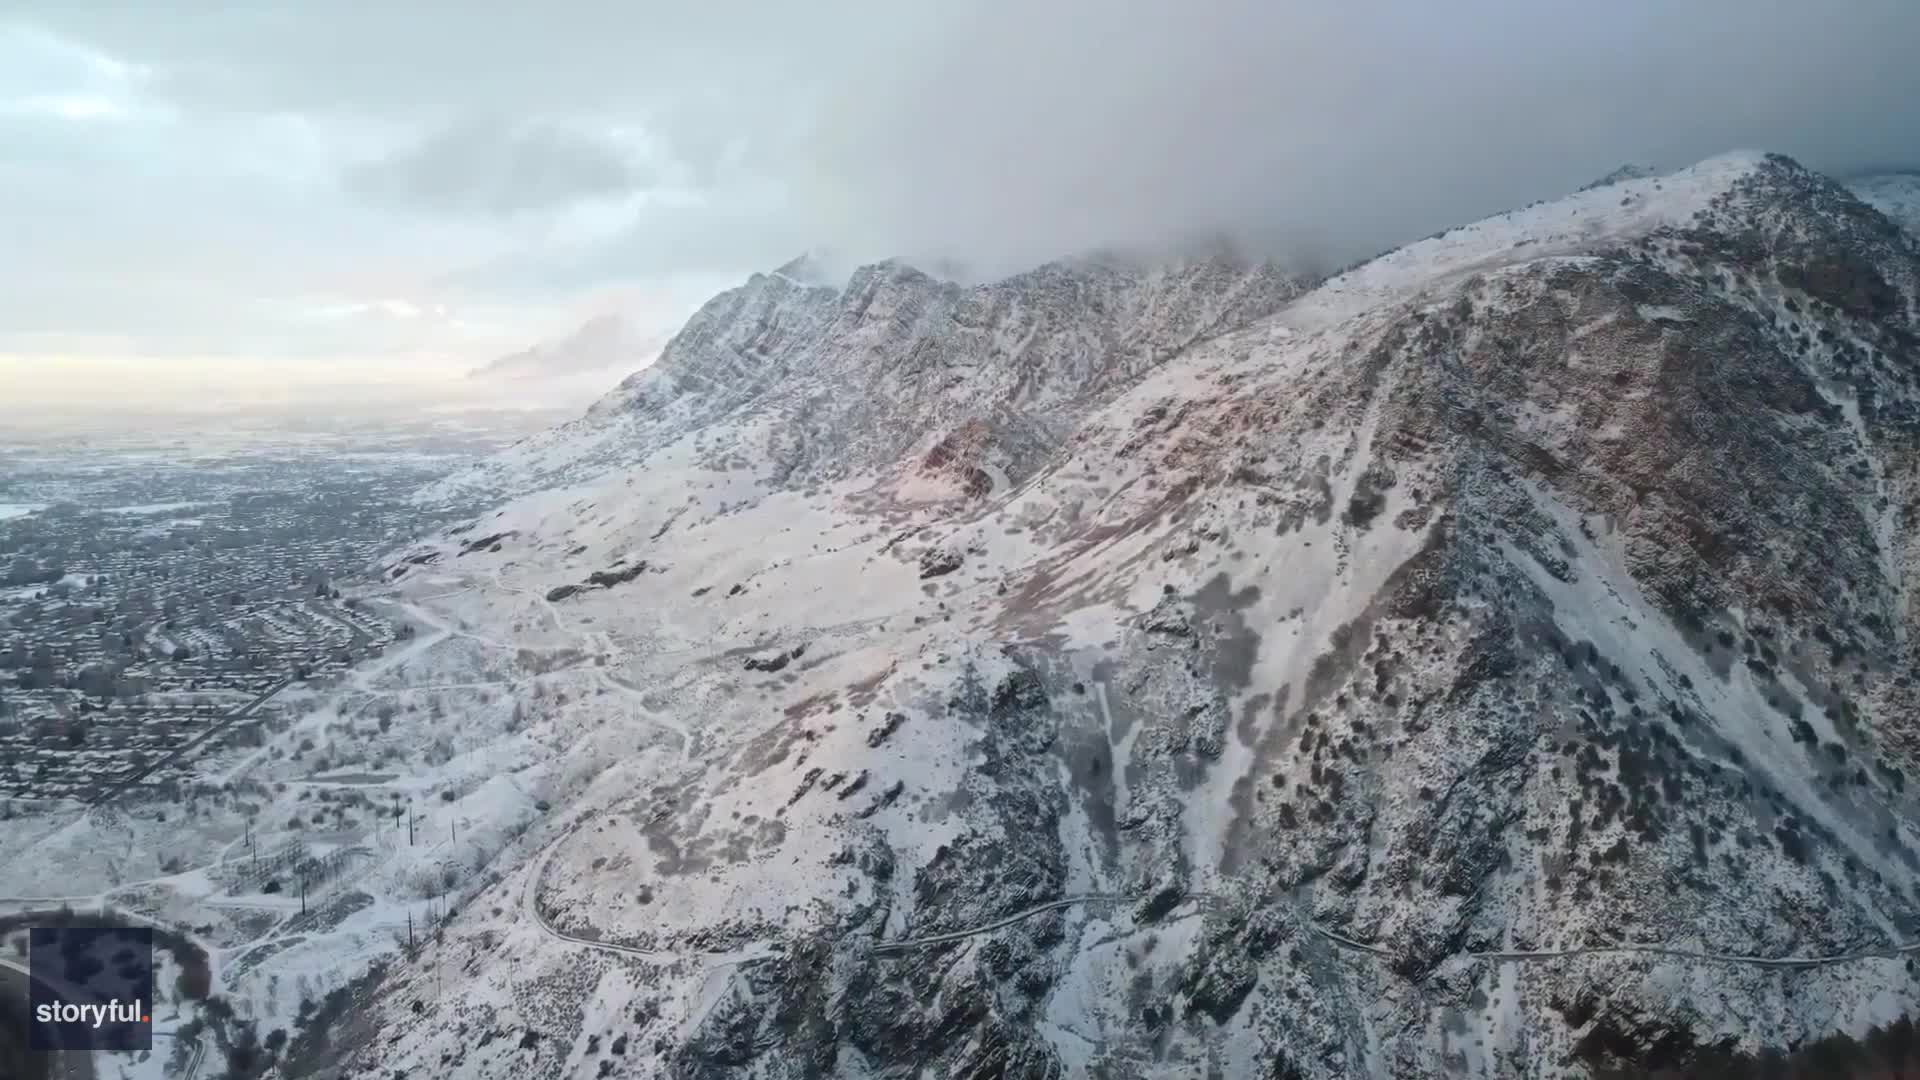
<point x="1029" y="131"/>
<point x="513" y="161"/>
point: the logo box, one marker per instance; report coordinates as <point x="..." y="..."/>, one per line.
<point x="91" y="988"/>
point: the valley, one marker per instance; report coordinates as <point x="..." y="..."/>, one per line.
<point x="1493" y="660"/>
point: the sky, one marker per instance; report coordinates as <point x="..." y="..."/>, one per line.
<point x="280" y="196"/>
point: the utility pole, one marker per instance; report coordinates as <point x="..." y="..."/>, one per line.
<point x="409" y="824"/>
<point x="303" y="892"/>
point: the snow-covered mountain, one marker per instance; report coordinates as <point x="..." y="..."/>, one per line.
<point x="1896" y="195"/>
<point x="1471" y="665"/>
<point x="820" y="382"/>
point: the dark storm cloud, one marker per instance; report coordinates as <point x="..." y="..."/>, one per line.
<point x="495" y="166"/>
<point x="1334" y="130"/>
<point x="1006" y="130"/>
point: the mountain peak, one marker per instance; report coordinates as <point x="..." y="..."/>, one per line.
<point x="814" y="268"/>
<point x="1624" y="172"/>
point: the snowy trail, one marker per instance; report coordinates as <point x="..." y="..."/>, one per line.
<point x="598" y="642"/>
<point x="240" y="768"/>
<point x="591" y="642"/>
<point x="193" y="1062"/>
<point x="538" y="598"/>
<point x="958" y="935"/>
<point x="441" y="632"/>
<point x="1496" y="956"/>
<point x="529" y="903"/>
<point x="487" y="684"/>
<point x="658" y="720"/>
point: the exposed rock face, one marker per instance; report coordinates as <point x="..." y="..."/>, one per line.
<point x="823" y="383"/>
<point x="1623" y="173"/>
<point x="1546" y="584"/>
<point x="939" y="561"/>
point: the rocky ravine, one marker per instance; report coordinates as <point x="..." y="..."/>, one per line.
<point x="1201" y="675"/>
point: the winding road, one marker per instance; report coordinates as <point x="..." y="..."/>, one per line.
<point x="193" y="1061"/>
<point x="591" y="642"/>
<point x="529" y="902"/>
<point x="1530" y="956"/>
<point x="930" y="940"/>
<point x="597" y="643"/>
<point x="1492" y="956"/>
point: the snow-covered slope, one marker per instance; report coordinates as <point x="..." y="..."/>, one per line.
<point x="1121" y="671"/>
<point x="821" y="381"/>
<point x="1896" y="195"/>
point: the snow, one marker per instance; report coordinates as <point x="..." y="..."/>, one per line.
<point x="1580" y="223"/>
<point x="1896" y="195"/>
<point x="1622" y="622"/>
<point x="628" y="796"/>
<point x="146" y="509"/>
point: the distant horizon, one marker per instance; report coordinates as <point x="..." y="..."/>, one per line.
<point x="101" y="388"/>
<point x="51" y="393"/>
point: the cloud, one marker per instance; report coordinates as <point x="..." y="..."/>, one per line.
<point x="499" y="167"/>
<point x="1000" y="133"/>
<point x="623" y="141"/>
<point x="721" y="235"/>
<point x="1006" y="131"/>
<point x="1023" y="131"/>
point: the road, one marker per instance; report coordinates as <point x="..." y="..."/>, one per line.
<point x="1531" y="956"/>
<point x="188" y="747"/>
<point x="194" y="1058"/>
<point x="712" y="962"/>
<point x="1495" y="956"/>
<point x="529" y="902"/>
<point x="591" y="643"/>
<point x="931" y="940"/>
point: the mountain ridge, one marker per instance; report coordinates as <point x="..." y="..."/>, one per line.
<point x="735" y="350"/>
<point x="1134" y="637"/>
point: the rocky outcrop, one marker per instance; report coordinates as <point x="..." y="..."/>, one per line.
<point x="853" y="378"/>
